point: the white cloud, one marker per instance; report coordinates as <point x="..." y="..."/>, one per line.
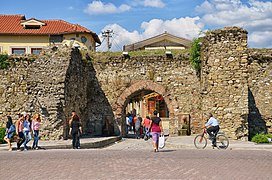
<point x="254" y="16"/>
<point x="98" y="7"/>
<point x="185" y="27"/>
<point x="182" y="27"/>
<point x="261" y="39"/>
<point x="154" y="3"/>
<point x="120" y="37"/>
<point x="148" y="3"/>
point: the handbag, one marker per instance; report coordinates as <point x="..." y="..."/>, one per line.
<point x="161" y="141"/>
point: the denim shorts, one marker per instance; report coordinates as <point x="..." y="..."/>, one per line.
<point x="9" y="135"/>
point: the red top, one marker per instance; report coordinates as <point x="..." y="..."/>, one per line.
<point x="156" y="124"/>
<point x="146" y="122"/>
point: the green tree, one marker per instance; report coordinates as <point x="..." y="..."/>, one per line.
<point x="4" y="64"/>
<point x="195" y="55"/>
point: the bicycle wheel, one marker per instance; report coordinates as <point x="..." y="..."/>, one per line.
<point x="222" y="142"/>
<point x="200" y="142"/>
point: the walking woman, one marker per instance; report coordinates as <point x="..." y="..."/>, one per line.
<point x="10" y="129"/>
<point x="156" y="130"/>
<point x="36" y="122"/>
<point x="27" y="131"/>
<point x="19" y="131"/>
<point x="75" y="130"/>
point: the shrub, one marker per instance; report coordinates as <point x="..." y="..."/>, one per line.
<point x="4" y="64"/>
<point x="261" y="138"/>
<point x="2" y="135"/>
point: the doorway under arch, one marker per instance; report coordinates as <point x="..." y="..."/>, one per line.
<point x="143" y="89"/>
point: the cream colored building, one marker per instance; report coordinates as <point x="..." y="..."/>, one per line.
<point x="163" y="41"/>
<point x="19" y="35"/>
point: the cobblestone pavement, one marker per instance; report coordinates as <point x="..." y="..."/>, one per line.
<point x="134" y="159"/>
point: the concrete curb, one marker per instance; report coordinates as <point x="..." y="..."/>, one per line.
<point x="231" y="146"/>
<point x="83" y="145"/>
<point x="86" y="145"/>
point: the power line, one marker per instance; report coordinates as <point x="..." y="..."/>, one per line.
<point x="107" y="35"/>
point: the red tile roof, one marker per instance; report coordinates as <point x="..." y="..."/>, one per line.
<point x="11" y="25"/>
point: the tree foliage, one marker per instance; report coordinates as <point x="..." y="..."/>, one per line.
<point x="4" y="64"/>
<point x="195" y="55"/>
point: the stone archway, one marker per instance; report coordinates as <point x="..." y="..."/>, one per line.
<point x="121" y="102"/>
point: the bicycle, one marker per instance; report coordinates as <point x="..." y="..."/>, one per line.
<point x="200" y="141"/>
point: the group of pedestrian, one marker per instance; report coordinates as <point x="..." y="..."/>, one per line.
<point x="24" y="129"/>
<point x="148" y="127"/>
<point x="134" y="123"/>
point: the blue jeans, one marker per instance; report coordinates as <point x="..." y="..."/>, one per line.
<point x="76" y="141"/>
<point x="28" y="137"/>
<point x="36" y="139"/>
<point x="147" y="132"/>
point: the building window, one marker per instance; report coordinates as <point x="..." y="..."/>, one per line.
<point x="32" y="27"/>
<point x="18" y="50"/>
<point x="83" y="39"/>
<point x="36" y="50"/>
<point x="56" y="38"/>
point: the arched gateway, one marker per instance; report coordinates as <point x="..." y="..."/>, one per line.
<point x="138" y="86"/>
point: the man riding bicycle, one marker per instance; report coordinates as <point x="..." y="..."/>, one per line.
<point x="212" y="128"/>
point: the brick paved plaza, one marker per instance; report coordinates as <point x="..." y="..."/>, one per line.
<point x="134" y="159"/>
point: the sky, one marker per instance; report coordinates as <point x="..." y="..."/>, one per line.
<point x="135" y="20"/>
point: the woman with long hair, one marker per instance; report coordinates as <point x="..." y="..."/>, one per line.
<point x="75" y="130"/>
<point x="10" y="129"/>
<point x="36" y="122"/>
<point x="27" y="131"/>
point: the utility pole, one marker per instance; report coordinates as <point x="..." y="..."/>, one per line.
<point x="108" y="34"/>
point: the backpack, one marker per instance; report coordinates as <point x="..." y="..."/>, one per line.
<point x="11" y="129"/>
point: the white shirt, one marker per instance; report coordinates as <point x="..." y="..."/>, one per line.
<point x="127" y="121"/>
<point x="212" y="122"/>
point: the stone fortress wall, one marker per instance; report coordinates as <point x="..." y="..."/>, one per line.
<point x="259" y="90"/>
<point x="234" y="84"/>
<point x="54" y="84"/>
<point x="224" y="79"/>
<point x="120" y="78"/>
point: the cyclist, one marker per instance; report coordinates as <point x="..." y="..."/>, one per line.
<point x="212" y="128"/>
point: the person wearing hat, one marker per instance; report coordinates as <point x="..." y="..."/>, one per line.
<point x="212" y="127"/>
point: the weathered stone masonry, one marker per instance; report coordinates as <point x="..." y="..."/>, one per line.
<point x="54" y="84"/>
<point x="224" y="79"/>
<point x="260" y="91"/>
<point x="120" y="78"/>
<point x="234" y="84"/>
